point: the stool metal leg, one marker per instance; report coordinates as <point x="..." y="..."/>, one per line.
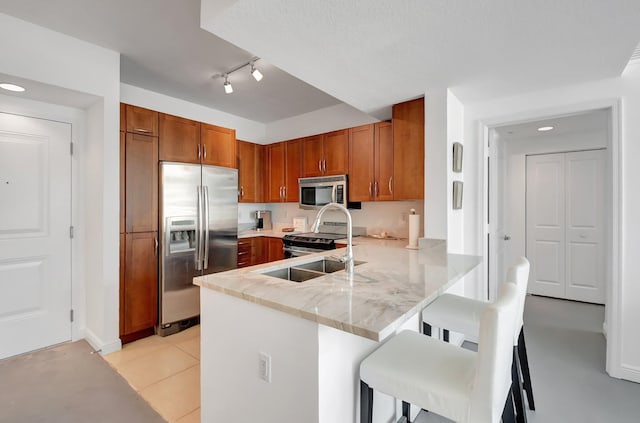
<point x="508" y="415"/>
<point x="445" y="335"/>
<point x="426" y="328"/>
<point x="406" y="408"/>
<point x="516" y="388"/>
<point x="366" y="403"/>
<point x="524" y="366"/>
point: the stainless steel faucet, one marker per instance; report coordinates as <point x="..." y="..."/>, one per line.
<point x="347" y="259"/>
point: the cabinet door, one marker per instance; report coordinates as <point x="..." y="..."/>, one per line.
<point x="179" y="139"/>
<point x="141" y="187"/>
<point x="408" y="150"/>
<point x="218" y="146"/>
<point x="276" y="251"/>
<point x="245" y="252"/>
<point x="276" y="163"/>
<point x="361" y="169"/>
<point x="142" y="121"/>
<point x="123" y="117"/>
<point x="383" y="161"/>
<point x="123" y="258"/>
<point x="249" y="172"/>
<point x="141" y="282"/>
<point x="122" y="181"/>
<point x="261" y="247"/>
<point x="336" y="153"/>
<point x="312" y="156"/>
<point x="292" y="173"/>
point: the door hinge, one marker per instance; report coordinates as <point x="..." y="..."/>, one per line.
<point x="71" y="148"/>
<point x="71" y="315"/>
<point x="71" y="232"/>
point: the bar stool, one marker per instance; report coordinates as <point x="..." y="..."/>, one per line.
<point x="460" y="314"/>
<point x="453" y="382"/>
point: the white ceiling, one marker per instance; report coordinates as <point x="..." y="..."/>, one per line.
<point x="373" y="53"/>
<point x="165" y="50"/>
<point x="573" y="124"/>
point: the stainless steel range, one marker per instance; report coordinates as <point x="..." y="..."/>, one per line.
<point x="297" y="245"/>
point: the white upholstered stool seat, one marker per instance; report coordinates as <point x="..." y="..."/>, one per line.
<point x="454" y="312"/>
<point x="423" y="371"/>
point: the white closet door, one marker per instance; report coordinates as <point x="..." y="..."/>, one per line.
<point x="35" y="248"/>
<point x="585" y="220"/>
<point x="546" y="224"/>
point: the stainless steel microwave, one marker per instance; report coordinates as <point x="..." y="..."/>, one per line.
<point x="322" y="190"/>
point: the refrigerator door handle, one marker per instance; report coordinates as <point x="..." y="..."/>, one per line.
<point x="198" y="252"/>
<point x="205" y="225"/>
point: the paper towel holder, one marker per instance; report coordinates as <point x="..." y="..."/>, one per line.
<point x="457" y="195"/>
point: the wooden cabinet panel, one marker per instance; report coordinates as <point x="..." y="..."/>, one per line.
<point x="142" y="121"/>
<point x="292" y="171"/>
<point x="384" y="167"/>
<point x="218" y="146"/>
<point x="179" y="139"/>
<point x="276" y="154"/>
<point x="123" y="258"/>
<point x="361" y="163"/>
<point x="275" y="249"/>
<point x="250" y="164"/>
<point x="141" y="188"/>
<point x="408" y="150"/>
<point x="312" y="156"/>
<point x="336" y="153"/>
<point x="246" y="252"/>
<point x="140" y="302"/>
<point x="123" y="117"/>
<point x="122" y="181"/>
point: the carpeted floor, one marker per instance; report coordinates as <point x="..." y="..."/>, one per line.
<point x="69" y="384"/>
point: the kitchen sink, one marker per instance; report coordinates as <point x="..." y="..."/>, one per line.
<point x="305" y="271"/>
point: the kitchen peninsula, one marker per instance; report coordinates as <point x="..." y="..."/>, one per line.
<point x="275" y="350"/>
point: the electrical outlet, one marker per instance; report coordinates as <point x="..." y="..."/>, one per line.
<point x="264" y="367"/>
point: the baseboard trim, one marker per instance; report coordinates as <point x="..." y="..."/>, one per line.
<point x="629" y="372"/>
<point x="99" y="345"/>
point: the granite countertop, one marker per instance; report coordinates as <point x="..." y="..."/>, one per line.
<point x="388" y="289"/>
<point x="357" y="240"/>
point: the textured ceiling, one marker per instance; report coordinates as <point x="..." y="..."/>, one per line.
<point x="373" y="53"/>
<point x="164" y="50"/>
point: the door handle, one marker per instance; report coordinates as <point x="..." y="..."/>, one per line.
<point x="155" y="248"/>
<point x="324" y="166"/>
<point x="507" y="238"/>
<point x="199" y="152"/>
<point x="370" y="195"/>
<point x="391" y="185"/>
<point x="284" y="193"/>
<point x="206" y="226"/>
<point x="320" y="166"/>
<point x="198" y="252"/>
<point x="375" y="189"/>
<point x="204" y="151"/>
<point x="142" y="130"/>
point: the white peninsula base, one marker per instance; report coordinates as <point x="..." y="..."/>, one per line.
<point x="314" y="368"/>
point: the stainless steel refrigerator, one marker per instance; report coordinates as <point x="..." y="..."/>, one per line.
<point x="199" y="227"/>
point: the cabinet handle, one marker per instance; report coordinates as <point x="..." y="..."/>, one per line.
<point x="370" y="189"/>
<point x="204" y="151"/>
<point x="375" y="189"/>
<point x="324" y="166"/>
<point x="155" y="248"/>
<point x="391" y="185"/>
<point x="284" y="193"/>
<point x="320" y="166"/>
<point x="144" y="131"/>
<point x="199" y="154"/>
<point x="241" y="192"/>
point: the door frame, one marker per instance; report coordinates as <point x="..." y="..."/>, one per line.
<point x="76" y="118"/>
<point x="613" y="217"/>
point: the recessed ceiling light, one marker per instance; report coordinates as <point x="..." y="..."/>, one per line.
<point x="11" y="87"/>
<point x="545" y="128"/>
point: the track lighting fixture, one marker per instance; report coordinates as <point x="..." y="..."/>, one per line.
<point x="257" y="75"/>
<point x="227" y="85"/>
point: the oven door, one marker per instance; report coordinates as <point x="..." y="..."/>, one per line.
<point x="290" y="251"/>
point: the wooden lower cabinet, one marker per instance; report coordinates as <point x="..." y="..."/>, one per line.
<point x="139" y="285"/>
<point x="259" y="250"/>
<point x="275" y="251"/>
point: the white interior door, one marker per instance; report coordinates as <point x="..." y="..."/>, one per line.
<point x="585" y="272"/>
<point x="565" y="225"/>
<point x="35" y="246"/>
<point x="498" y="237"/>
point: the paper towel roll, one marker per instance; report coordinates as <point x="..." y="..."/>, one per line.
<point x="414" y="230"/>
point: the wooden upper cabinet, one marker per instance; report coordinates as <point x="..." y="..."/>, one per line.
<point x="384" y="166"/>
<point x="141" y="121"/>
<point x="123" y="117"/>
<point x="292" y="171"/>
<point x="139" y="307"/>
<point x="122" y="181"/>
<point x="218" y="146"/>
<point x="361" y="163"/>
<point x="250" y="164"/>
<point x="312" y="156"/>
<point x="408" y="150"/>
<point x="336" y="153"/>
<point x="179" y="139"/>
<point x="141" y="186"/>
<point x="276" y="172"/>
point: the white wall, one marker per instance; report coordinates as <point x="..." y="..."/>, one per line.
<point x="515" y="178"/>
<point x="455" y="133"/>
<point x="317" y="122"/>
<point x="623" y="311"/>
<point x="246" y="129"/>
<point x="45" y="56"/>
<point x="435" y="164"/>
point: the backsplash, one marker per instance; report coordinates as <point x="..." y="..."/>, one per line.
<point x="389" y="216"/>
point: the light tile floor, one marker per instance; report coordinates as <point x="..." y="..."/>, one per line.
<point x="165" y="372"/>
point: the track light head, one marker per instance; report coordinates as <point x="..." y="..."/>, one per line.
<point x="255" y="72"/>
<point x="227" y="85"/>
